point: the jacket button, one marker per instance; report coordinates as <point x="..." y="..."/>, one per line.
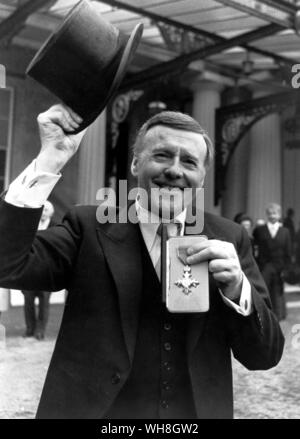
<point x="167" y="346"/>
<point x="167" y="326"/>
<point x="167" y="366"/>
<point x="166" y="386"/>
<point x="164" y="404"/>
<point x="116" y="378"/>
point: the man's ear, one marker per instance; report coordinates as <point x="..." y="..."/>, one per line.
<point x="135" y="166"/>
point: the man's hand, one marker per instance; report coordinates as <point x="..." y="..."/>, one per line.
<point x="58" y="143"/>
<point x="223" y="263"/>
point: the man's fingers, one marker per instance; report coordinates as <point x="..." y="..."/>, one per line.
<point x="55" y="118"/>
<point x="208" y="243"/>
<point x="210" y="249"/>
<point x="74" y="115"/>
<point x="208" y="254"/>
<point x="73" y="119"/>
<point x="219" y="265"/>
<point x="72" y="123"/>
<point x="223" y="277"/>
<point x="60" y="115"/>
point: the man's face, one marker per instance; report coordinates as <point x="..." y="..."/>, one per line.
<point x="247" y="225"/>
<point x="170" y="161"/>
<point x="273" y="215"/>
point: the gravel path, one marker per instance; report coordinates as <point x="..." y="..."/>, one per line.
<point x="273" y="394"/>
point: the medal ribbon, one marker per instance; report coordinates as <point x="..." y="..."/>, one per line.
<point x="182" y="254"/>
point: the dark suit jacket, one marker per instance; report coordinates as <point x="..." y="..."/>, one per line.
<point x="276" y="251"/>
<point x="101" y="267"/>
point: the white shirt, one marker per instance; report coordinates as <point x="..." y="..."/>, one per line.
<point x="273" y="228"/>
<point x="43" y="225"/>
<point x="149" y="223"/>
<point x="32" y="188"/>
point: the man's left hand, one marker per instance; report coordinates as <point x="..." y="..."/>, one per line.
<point x="223" y="263"/>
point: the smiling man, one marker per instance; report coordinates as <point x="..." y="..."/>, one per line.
<point x="119" y="352"/>
<point x="171" y="154"/>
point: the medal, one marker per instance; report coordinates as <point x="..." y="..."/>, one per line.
<point x="186" y="282"/>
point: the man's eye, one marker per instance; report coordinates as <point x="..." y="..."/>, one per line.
<point x="161" y="155"/>
<point x="190" y="162"/>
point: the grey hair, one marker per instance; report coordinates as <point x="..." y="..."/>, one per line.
<point x="177" y="121"/>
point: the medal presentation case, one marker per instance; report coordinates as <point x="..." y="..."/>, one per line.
<point x="185" y="287"/>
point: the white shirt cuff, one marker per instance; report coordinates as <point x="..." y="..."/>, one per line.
<point x="245" y="305"/>
<point x="31" y="188"/>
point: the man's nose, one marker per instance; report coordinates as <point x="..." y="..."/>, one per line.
<point x="174" y="170"/>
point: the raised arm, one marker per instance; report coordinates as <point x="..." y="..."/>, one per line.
<point x="29" y="260"/>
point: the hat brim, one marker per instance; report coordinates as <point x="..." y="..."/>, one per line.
<point x="126" y="57"/>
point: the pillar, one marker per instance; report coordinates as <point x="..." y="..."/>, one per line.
<point x="234" y="197"/>
<point x="206" y="100"/>
<point x="265" y="170"/>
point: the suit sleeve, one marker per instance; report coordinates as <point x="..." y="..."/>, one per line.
<point x="35" y="260"/>
<point x="257" y="340"/>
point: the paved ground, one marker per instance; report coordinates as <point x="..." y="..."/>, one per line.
<point x="270" y="394"/>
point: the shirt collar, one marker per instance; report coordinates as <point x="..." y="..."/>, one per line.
<point x="274" y="225"/>
<point x="149" y="223"/>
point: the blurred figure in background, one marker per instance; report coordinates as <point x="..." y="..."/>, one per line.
<point x="4" y="305"/>
<point x="246" y="221"/>
<point x="4" y="300"/>
<point x="36" y="325"/>
<point x="274" y="256"/>
<point x="288" y="222"/>
<point x="238" y="216"/>
<point x="297" y="253"/>
<point x="259" y="222"/>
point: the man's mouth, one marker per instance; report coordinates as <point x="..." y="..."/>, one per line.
<point x="167" y="187"/>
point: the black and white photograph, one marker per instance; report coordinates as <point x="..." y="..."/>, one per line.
<point x="149" y="212"/>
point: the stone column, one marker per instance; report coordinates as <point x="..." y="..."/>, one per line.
<point x="91" y="175"/>
<point x="234" y="197"/>
<point x="206" y="100"/>
<point x="265" y="168"/>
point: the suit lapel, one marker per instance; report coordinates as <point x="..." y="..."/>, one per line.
<point x="267" y="231"/>
<point x="122" y="249"/>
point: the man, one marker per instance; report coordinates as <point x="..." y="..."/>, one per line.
<point x="36" y="325"/>
<point x="246" y="221"/>
<point x="119" y="352"/>
<point x="288" y="223"/>
<point x="273" y="245"/>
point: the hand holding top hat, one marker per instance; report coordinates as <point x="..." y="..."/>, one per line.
<point x="59" y="143"/>
<point x="84" y="61"/>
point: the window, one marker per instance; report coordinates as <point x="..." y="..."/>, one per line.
<point x="6" y="111"/>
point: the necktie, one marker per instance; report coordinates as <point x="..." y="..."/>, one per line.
<point x="165" y="231"/>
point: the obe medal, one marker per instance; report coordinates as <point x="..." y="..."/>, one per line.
<point x="186" y="283"/>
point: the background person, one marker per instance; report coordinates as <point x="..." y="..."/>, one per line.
<point x="274" y="256"/>
<point x="36" y="324"/>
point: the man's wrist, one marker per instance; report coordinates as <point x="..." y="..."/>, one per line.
<point x="242" y="304"/>
<point x="48" y="164"/>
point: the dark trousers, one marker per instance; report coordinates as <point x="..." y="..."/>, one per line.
<point x="272" y="277"/>
<point x="35" y="323"/>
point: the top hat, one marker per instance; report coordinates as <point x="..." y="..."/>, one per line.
<point x="84" y="61"/>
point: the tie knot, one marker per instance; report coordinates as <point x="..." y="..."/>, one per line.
<point x="170" y="229"/>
